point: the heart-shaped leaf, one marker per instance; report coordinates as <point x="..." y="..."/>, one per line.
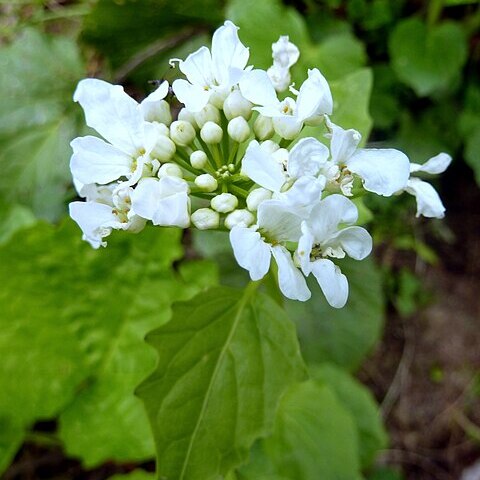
<point x="427" y="59"/>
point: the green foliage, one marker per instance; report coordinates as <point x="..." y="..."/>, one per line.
<point x="11" y="436"/>
<point x="74" y="321"/>
<point x="346" y="335"/>
<point x="110" y="27"/>
<point x="314" y="437"/>
<point x="224" y="360"/>
<point x="359" y="402"/>
<point x="427" y="59"/>
<point x="135" y="475"/>
<point x="39" y="73"/>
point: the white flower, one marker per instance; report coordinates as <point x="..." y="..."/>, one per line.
<point x="253" y="247"/>
<point x="429" y="203"/>
<point x="285" y="54"/>
<point x="294" y="179"/>
<point x="164" y="201"/>
<point x="323" y="237"/>
<point x="106" y="209"/>
<point x="118" y="118"/>
<point x="383" y="171"/>
<point x="314" y="99"/>
<point x="212" y="72"/>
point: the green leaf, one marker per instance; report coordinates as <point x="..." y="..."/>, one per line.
<point x="39" y="73"/>
<point x="11" y="437"/>
<point x="314" y="438"/>
<point x="106" y="405"/>
<point x="427" y="59"/>
<point x="281" y="21"/>
<point x="110" y="29"/>
<point x="224" y="360"/>
<point x="73" y="322"/>
<point x="13" y="218"/>
<point x="135" y="475"/>
<point x="359" y="402"/>
<point x="336" y="56"/>
<point x="342" y="336"/>
<point x="351" y="98"/>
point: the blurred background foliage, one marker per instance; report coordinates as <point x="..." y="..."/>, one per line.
<point x="404" y="73"/>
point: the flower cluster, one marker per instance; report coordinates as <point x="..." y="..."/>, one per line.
<point x="235" y="159"/>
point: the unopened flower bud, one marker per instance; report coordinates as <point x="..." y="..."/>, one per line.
<point x="263" y="128"/>
<point x="164" y="149"/>
<point x="239" y="218"/>
<point x="182" y="132"/>
<point x="224" y="203"/>
<point x="187" y="116"/>
<point x="162" y="129"/>
<point x="208" y="113"/>
<point x="217" y="98"/>
<point x="211" y="133"/>
<point x="206" y="182"/>
<point x="157" y="112"/>
<point x="198" y="159"/>
<point x="170" y="170"/>
<point x="238" y="129"/>
<point x="256" y="197"/>
<point x="236" y="105"/>
<point x="269" y="146"/>
<point x="286" y="128"/>
<point x="205" y="218"/>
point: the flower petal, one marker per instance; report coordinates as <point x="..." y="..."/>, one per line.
<point x="307" y="157"/>
<point x="279" y="221"/>
<point x="194" y="97"/>
<point x="159" y="94"/>
<point x="429" y="203"/>
<point x="304" y="249"/>
<point x="434" y="165"/>
<point x="328" y="214"/>
<point x="164" y="202"/>
<point x="262" y="168"/>
<point x="250" y="251"/>
<point x="303" y="194"/>
<point x="290" y="280"/>
<point x="229" y="55"/>
<point x="314" y="98"/>
<point x="383" y="171"/>
<point x="95" y="219"/>
<point x="197" y="67"/>
<point x="112" y="113"/>
<point x="343" y="143"/>
<point x="332" y="281"/>
<point x="356" y="241"/>
<point x="257" y="88"/>
<point x="96" y="161"/>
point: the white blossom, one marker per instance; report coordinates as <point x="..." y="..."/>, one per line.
<point x="285" y="54"/>
<point x="322" y="239"/>
<point x="214" y="71"/>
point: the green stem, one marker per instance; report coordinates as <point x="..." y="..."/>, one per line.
<point x="284" y="143"/>
<point x="434" y="11"/>
<point x="237" y="190"/>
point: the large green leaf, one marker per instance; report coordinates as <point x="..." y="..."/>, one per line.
<point x="427" y="58"/>
<point x="342" y="336"/>
<point x="11" y="437"/>
<point x="38" y="78"/>
<point x="336" y="56"/>
<point x="357" y="400"/>
<point x="73" y="321"/>
<point x="251" y="15"/>
<point x="109" y="26"/>
<point x="224" y="360"/>
<point x="314" y="437"/>
<point x="106" y="420"/>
